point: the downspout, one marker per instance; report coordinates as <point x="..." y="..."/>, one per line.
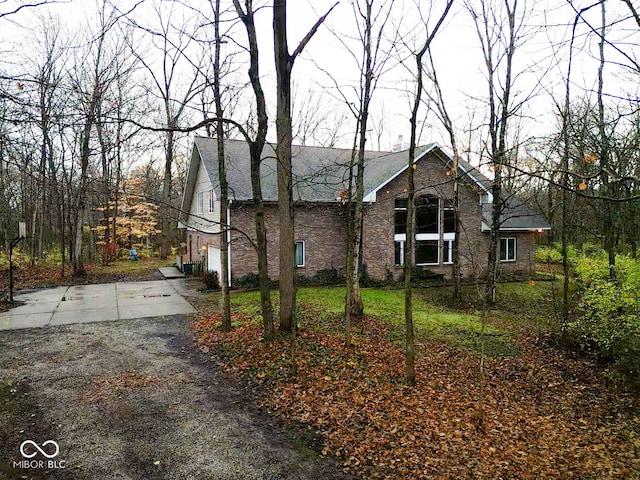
<point x="229" y="242"/>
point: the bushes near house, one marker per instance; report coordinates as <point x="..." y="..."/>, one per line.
<point x="606" y="322"/>
<point x="545" y="254"/>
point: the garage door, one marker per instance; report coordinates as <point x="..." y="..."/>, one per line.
<point x="213" y="259"/>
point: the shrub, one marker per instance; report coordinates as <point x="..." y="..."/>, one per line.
<point x="211" y="280"/>
<point x="327" y="277"/>
<point x="553" y="254"/>
<point x="247" y="281"/>
<point x="607" y="318"/>
<point x="548" y="255"/>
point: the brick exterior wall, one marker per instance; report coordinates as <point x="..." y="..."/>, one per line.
<point x="322" y="228"/>
<point x="431" y="179"/>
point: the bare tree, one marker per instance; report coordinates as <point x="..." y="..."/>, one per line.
<point x="411" y="189"/>
<point x="284" y="132"/>
<point x="175" y="95"/>
<point x="255" y="150"/>
<point x="499" y="27"/>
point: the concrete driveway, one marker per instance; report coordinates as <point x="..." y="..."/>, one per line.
<point x="96" y="303"/>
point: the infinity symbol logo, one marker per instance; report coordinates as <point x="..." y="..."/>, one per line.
<point x="39" y="449"/>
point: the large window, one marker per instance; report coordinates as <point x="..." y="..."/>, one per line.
<point x="300" y="254"/>
<point x="508" y="249"/>
<point x="427" y="252"/>
<point x="434" y="231"/>
<point x="427" y="215"/>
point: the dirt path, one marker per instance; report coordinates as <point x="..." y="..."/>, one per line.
<point x="132" y="399"/>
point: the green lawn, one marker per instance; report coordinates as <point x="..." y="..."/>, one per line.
<point x="520" y="306"/>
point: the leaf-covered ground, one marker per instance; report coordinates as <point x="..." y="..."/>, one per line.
<point x="544" y="413"/>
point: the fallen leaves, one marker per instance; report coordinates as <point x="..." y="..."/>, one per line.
<point x="545" y="415"/>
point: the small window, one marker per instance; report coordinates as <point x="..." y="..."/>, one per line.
<point x="508" y="249"/>
<point x="427" y="252"/>
<point x="447" y="252"/>
<point x="399" y="253"/>
<point x="449" y="220"/>
<point x="200" y="202"/>
<point x="400" y="216"/>
<point x="212" y="201"/>
<point x="300" y="254"/>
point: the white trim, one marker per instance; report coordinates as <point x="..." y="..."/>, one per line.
<point x="515" y="250"/>
<point x="421" y="237"/>
<point x="449" y="236"/>
<point x="486" y="228"/>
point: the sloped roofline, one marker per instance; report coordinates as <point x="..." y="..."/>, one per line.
<point x="433" y="148"/>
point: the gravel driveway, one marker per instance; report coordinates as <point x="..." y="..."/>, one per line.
<point x="132" y="399"/>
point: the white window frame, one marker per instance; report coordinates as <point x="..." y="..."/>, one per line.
<point x="438" y="247"/>
<point x="402" y="244"/>
<point x="212" y="201"/>
<point x="199" y="202"/>
<point x="506" y="250"/>
<point x="448" y="257"/>
<point x="304" y="253"/>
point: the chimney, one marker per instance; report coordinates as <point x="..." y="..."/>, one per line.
<point x="399" y="145"/>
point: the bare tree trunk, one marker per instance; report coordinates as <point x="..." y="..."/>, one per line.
<point x="410" y="353"/>
<point x="222" y="174"/>
<point x="287" y="264"/>
<point x="255" y="151"/>
<point x="610" y="210"/>
<point x="284" y="64"/>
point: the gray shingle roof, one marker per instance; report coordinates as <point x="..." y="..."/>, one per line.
<point x="516" y="215"/>
<point x="321" y="173"/>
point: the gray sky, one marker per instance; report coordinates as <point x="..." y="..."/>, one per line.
<point x="540" y="60"/>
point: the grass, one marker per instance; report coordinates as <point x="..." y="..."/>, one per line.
<point x="520" y="306"/>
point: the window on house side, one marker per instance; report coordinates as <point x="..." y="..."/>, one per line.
<point x="200" y="202"/>
<point x="400" y="216"/>
<point x="427" y="252"/>
<point x="427" y="215"/>
<point x="508" y="249"/>
<point x="399" y="253"/>
<point x="447" y="252"/>
<point x="300" y="253"/>
<point x="449" y="220"/>
<point x="212" y="201"/>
